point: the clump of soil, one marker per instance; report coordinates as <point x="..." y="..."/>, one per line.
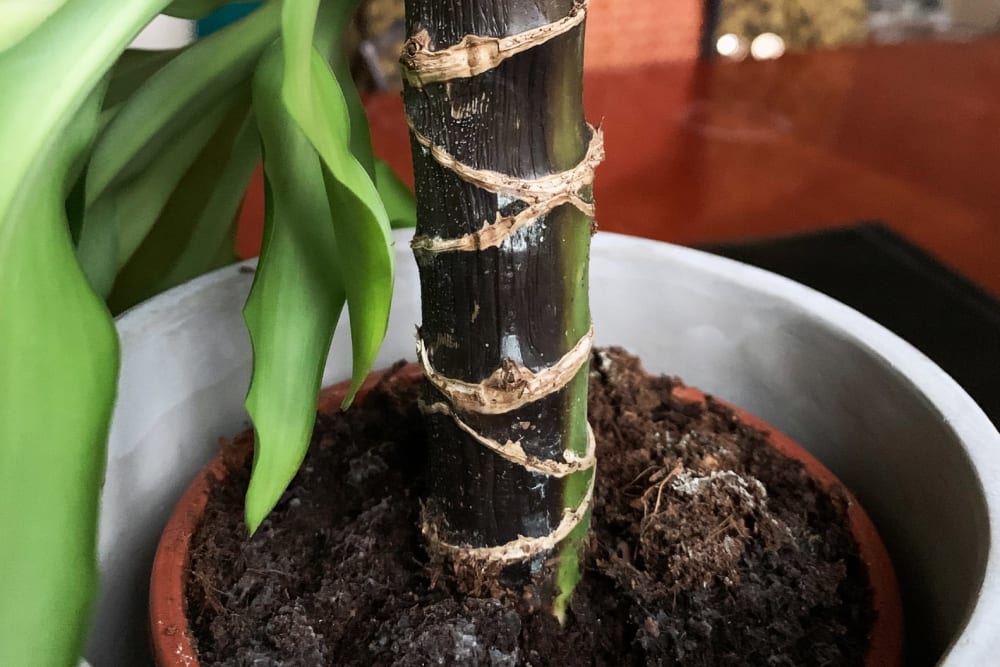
<point x="708" y="548"/>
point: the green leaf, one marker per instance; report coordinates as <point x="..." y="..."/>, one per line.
<point x="296" y="299"/>
<point x="19" y="17"/>
<point x="364" y="248"/>
<point x="58" y="349"/>
<point x="152" y="140"/>
<point x="215" y="223"/>
<point x="194" y="9"/>
<point x="132" y="70"/>
<point x="62" y="49"/>
<point x="97" y="244"/>
<point x="400" y="204"/>
<point x="124" y="215"/>
<point x="58" y="370"/>
<point x="199" y="217"/>
<point x="332" y="21"/>
<point x="177" y="96"/>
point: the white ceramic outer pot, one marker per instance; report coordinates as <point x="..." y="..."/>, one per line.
<point x="918" y="452"/>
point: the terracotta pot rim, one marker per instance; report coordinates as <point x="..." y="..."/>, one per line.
<point x="173" y="646"/>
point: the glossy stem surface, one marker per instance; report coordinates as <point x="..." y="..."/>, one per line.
<point x="524" y="302"/>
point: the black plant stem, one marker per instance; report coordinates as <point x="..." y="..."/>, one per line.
<point x="498" y="313"/>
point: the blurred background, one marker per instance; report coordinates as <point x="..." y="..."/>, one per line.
<point x="851" y="145"/>
<point x="626" y="33"/>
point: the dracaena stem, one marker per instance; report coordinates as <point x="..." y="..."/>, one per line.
<point x="518" y="303"/>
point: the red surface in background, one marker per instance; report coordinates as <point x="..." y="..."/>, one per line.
<point x="703" y="152"/>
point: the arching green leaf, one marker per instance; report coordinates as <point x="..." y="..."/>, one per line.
<point x="332" y="21"/>
<point x="62" y="49"/>
<point x="177" y="96"/>
<point x="199" y="218"/>
<point x="58" y="370"/>
<point x="132" y="70"/>
<point x="124" y="214"/>
<point x="315" y="100"/>
<point x="215" y="223"/>
<point x="58" y="349"/>
<point x="296" y="299"/>
<point x="19" y="17"/>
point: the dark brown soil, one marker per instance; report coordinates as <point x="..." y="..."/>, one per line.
<point x="708" y="548"/>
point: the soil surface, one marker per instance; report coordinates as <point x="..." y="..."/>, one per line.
<point x="708" y="548"/>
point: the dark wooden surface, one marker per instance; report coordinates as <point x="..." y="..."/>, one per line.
<point x="874" y="270"/>
<point x="707" y="152"/>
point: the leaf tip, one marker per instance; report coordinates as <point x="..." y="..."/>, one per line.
<point x="254" y="513"/>
<point x="352" y="391"/>
<point x="258" y="503"/>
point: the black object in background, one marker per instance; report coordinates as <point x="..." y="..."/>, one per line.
<point x="708" y="26"/>
<point x="877" y="272"/>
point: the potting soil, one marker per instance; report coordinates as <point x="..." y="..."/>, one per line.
<point x="708" y="548"/>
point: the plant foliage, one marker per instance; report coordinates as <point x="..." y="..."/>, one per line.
<point x="122" y="175"/>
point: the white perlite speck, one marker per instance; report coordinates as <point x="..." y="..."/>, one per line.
<point x="689" y="483"/>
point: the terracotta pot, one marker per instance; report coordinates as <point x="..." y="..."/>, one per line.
<point x="170" y="637"/>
